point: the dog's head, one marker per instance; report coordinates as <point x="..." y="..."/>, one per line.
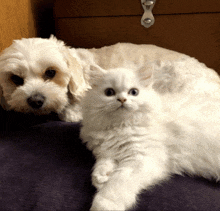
<point x="39" y="76"/>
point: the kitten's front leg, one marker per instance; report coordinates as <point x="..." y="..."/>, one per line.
<point x="127" y="181"/>
<point x="102" y="171"/>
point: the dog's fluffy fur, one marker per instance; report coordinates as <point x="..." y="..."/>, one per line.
<point x="40" y="76"/>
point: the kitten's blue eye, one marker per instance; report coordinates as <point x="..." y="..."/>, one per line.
<point x="109" y="92"/>
<point x="133" y="92"/>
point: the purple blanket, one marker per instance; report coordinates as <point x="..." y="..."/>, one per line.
<point x="44" y="167"/>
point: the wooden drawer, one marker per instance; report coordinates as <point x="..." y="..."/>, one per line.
<point x="96" y="8"/>
<point x="191" y="27"/>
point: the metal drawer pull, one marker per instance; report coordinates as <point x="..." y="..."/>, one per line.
<point x="148" y="3"/>
<point x="147" y="19"/>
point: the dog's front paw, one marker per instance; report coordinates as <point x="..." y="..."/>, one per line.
<point x="103" y="204"/>
<point x="102" y="173"/>
<point x="70" y="115"/>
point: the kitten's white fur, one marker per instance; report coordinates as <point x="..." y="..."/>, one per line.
<point x="171" y="126"/>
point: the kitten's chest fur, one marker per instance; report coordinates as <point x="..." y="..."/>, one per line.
<point x="118" y="143"/>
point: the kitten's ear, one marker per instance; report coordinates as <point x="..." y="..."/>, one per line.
<point x="95" y="73"/>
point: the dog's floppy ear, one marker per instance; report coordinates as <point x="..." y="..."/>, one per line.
<point x="3" y="103"/>
<point x="78" y="83"/>
<point x="2" y="99"/>
<point x="1" y="95"/>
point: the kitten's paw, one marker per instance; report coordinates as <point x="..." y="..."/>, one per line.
<point x="103" y="204"/>
<point x="102" y="173"/>
<point x="100" y="176"/>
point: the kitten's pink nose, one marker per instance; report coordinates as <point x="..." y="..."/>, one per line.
<point x="122" y="100"/>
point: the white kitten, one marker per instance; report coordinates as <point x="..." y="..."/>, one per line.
<point x="141" y="135"/>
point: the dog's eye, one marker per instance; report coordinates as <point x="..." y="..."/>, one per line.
<point x="50" y="73"/>
<point x="18" y="81"/>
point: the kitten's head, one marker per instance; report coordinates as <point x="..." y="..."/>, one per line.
<point x="117" y="95"/>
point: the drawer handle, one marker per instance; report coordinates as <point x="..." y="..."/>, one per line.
<point x="147" y="19"/>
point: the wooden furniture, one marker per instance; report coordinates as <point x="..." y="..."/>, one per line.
<point x="191" y="27"/>
<point x="16" y="21"/>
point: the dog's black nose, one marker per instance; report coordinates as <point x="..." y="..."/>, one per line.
<point x="36" y="101"/>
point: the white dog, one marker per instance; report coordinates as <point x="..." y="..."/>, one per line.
<point x="40" y="76"/>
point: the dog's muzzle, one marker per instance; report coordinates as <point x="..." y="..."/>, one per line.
<point x="36" y="101"/>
